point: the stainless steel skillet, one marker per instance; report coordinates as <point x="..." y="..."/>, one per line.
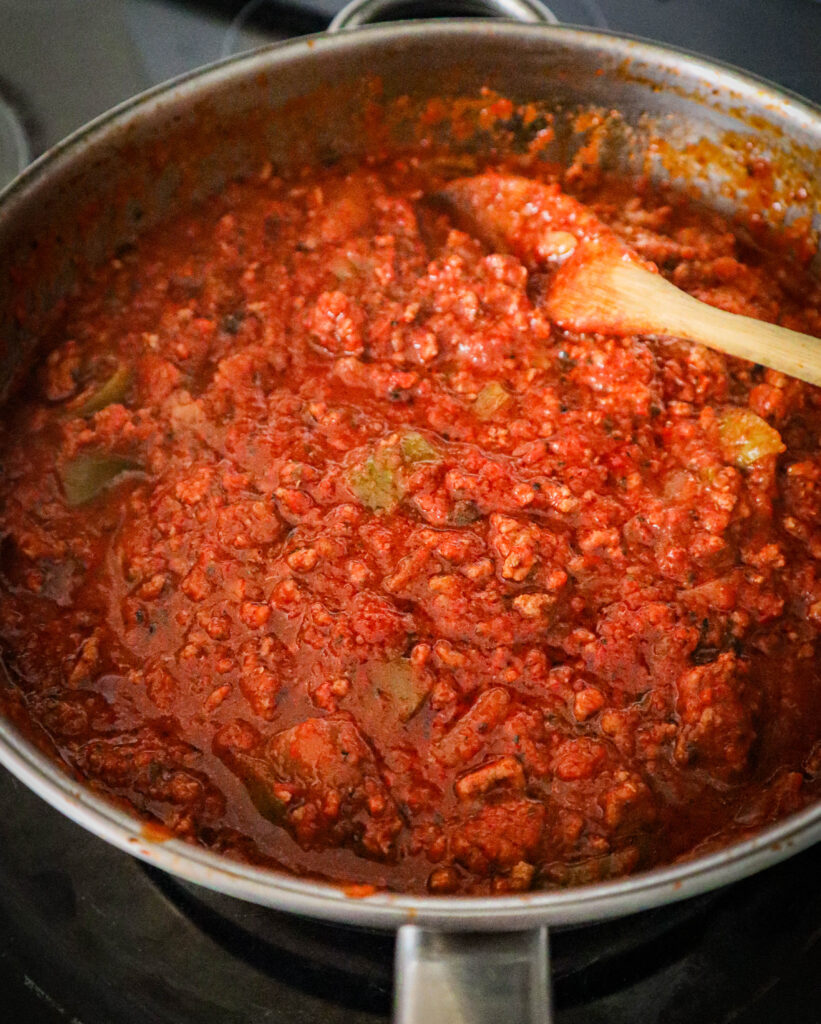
<point x="680" y="117"/>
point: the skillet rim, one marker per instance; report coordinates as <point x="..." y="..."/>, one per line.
<point x="325" y="900"/>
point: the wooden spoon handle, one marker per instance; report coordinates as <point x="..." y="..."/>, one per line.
<point x="599" y="285"/>
<point x="617" y="295"/>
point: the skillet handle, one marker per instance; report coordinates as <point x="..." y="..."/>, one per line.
<point x="472" y="978"/>
<point x="365" y="12"/>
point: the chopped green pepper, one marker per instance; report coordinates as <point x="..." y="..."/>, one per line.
<point x="110" y="391"/>
<point x="397" y="680"/>
<point x="85" y="476"/>
<point x="375" y="483"/>
<point x="416" y="448"/>
<point x="260" y="780"/>
<point x="598" y="869"/>
<point x="746" y="438"/>
<point x="490" y="400"/>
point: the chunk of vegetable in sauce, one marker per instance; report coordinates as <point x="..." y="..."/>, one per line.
<point x="399" y="682"/>
<point x="490" y="400"/>
<point x="267" y="795"/>
<point x="595" y="869"/>
<point x="746" y="438"/>
<point x="87" y="475"/>
<point x="110" y="391"/>
<point x="416" y="448"/>
<point x="375" y="483"/>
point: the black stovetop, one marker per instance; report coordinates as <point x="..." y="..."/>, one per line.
<point x="90" y="936"/>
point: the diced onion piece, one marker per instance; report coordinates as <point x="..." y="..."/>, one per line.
<point x="416" y="448"/>
<point x="85" y="476"/>
<point x="397" y="680"/>
<point x="490" y="400"/>
<point x="746" y="438"/>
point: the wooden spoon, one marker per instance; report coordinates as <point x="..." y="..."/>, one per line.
<point x="602" y="286"/>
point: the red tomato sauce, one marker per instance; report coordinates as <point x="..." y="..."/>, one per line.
<point x="323" y="548"/>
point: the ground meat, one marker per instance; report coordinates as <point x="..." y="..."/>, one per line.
<point x="716" y="719"/>
<point x="322" y="546"/>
